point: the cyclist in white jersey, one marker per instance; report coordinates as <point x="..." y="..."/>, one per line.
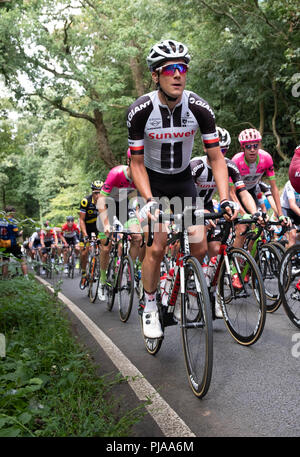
<point x="162" y="125"/>
<point x="290" y="204"/>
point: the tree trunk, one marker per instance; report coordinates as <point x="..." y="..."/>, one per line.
<point x="278" y="147"/>
<point x="137" y="75"/>
<point x="261" y="116"/>
<point x="105" y="151"/>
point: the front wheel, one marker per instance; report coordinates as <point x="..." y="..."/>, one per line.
<point x="94" y="278"/>
<point x="196" y="328"/>
<point x="242" y="295"/>
<point x="289" y="283"/>
<point x="126" y="287"/>
<point x="268" y="260"/>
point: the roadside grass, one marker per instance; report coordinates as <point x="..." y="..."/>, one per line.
<point x="49" y="386"/>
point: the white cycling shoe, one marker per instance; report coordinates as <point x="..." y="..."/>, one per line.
<point x="151" y="325"/>
<point x="102" y="295"/>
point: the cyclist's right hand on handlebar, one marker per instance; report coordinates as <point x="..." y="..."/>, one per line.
<point x="230" y="208"/>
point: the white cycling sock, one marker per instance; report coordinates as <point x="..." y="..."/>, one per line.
<point x="150" y="302"/>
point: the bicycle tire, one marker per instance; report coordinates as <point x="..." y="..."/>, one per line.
<point x="94" y="277"/>
<point x="110" y="284"/>
<point x="125" y="287"/>
<point x="281" y="249"/>
<point x="268" y="259"/>
<point x="196" y="328"/>
<point x="73" y="263"/>
<point x="288" y="278"/>
<point x="244" y="323"/>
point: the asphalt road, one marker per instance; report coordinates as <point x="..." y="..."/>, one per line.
<point x="254" y="390"/>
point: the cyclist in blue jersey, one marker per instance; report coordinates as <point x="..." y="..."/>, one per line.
<point x="9" y="232"/>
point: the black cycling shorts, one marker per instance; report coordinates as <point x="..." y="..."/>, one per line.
<point x="14" y="250"/>
<point x="180" y="185"/>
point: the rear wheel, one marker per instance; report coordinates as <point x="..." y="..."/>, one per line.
<point x="196" y="328"/>
<point x="243" y="307"/>
<point x="94" y="278"/>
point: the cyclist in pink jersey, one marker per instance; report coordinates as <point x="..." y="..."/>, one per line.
<point x="115" y="202"/>
<point x="253" y="163"/>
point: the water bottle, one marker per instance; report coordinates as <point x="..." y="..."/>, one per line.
<point x="167" y="279"/>
<point x="210" y="270"/>
<point x="204" y="268"/>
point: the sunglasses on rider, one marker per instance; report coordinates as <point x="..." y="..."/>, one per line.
<point x="224" y="150"/>
<point x="169" y="70"/>
<point x="250" y="146"/>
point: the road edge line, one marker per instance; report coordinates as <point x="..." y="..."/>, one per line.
<point x="166" y="418"/>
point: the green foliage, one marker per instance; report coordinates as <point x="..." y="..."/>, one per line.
<point x="76" y="69"/>
<point x="48" y="383"/>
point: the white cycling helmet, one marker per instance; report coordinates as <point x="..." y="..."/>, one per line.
<point x="249" y="136"/>
<point x="167" y="50"/>
<point x="224" y="137"/>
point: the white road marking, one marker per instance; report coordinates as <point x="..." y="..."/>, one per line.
<point x="166" y="418"/>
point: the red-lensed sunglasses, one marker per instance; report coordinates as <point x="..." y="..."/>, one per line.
<point x="169" y="70"/>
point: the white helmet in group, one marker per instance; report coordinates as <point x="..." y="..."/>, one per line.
<point x="249" y="135"/>
<point x="224" y="137"/>
<point x="167" y="50"/>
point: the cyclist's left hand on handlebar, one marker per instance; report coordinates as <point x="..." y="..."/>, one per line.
<point x="230" y="208"/>
<point x="285" y="220"/>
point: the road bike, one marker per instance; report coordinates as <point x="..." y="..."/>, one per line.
<point x="267" y="256"/>
<point x="120" y="280"/>
<point x="93" y="270"/>
<point x="71" y="260"/>
<point x="243" y="304"/>
<point x="188" y="285"/>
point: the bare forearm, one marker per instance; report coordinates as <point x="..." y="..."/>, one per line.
<point x="141" y="180"/>
<point x="276" y="196"/>
<point x="248" y="201"/>
<point x="220" y="173"/>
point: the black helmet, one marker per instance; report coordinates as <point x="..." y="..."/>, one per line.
<point x="70" y="219"/>
<point x="96" y="185"/>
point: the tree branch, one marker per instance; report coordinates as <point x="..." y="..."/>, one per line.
<point x="224" y="13"/>
<point x="60" y="106"/>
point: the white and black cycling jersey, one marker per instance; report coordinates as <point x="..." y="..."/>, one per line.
<point x="205" y="181"/>
<point x="166" y="137"/>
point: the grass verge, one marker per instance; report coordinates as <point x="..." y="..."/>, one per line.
<point x="48" y="384"/>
